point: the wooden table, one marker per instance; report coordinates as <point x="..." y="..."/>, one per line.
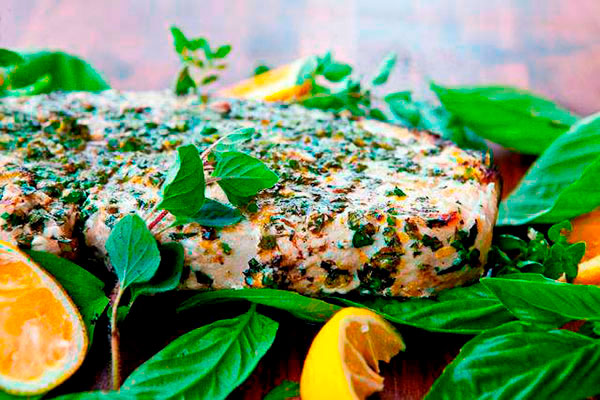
<point x="549" y="46"/>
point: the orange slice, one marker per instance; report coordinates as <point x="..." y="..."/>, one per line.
<point x="343" y="359"/>
<point x="42" y="336"/>
<point x="278" y="84"/>
<point x="587" y="228"/>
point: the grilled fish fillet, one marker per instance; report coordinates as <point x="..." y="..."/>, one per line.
<point x="361" y="206"/>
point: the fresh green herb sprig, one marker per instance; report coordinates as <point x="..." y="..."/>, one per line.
<point x="511" y="254"/>
<point x="44" y="72"/>
<point x="134" y="252"/>
<point x="201" y="64"/>
<point x="349" y="93"/>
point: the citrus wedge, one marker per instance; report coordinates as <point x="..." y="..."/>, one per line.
<point x="279" y="84"/>
<point x="586" y="228"/>
<point x="343" y="360"/>
<point x="42" y="336"/>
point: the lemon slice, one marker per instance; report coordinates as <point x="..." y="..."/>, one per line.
<point x="279" y="84"/>
<point x="343" y="360"/>
<point x="42" y="336"/>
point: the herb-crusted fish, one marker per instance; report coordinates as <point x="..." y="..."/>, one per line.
<point x="360" y="205"/>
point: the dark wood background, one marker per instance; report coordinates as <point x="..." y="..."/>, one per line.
<point x="549" y="46"/>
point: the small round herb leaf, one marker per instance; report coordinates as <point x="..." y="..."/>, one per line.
<point x="183" y="190"/>
<point x="133" y="251"/>
<point x="243" y="175"/>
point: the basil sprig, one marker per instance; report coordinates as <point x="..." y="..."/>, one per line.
<point x="40" y="72"/>
<point x="522" y="361"/>
<point x="302" y="307"/>
<point x="510" y="254"/>
<point x="562" y="183"/>
<point x="206" y="363"/>
<point x="511" y="117"/>
<point x="197" y="54"/>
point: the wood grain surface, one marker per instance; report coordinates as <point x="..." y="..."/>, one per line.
<point x="549" y="46"/>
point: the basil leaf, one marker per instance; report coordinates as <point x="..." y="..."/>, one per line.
<point x="469" y="310"/>
<point x="206" y="363"/>
<point x="167" y="276"/>
<point x="335" y="72"/>
<point x="183" y="190"/>
<point x="384" y="69"/>
<point x="180" y="42"/>
<point x="285" y="390"/>
<point x="39" y="86"/>
<point x="65" y="71"/>
<point x="306" y="308"/>
<point x="8" y="58"/>
<point x="212" y="214"/>
<point x="545" y="301"/>
<point x="132" y="251"/>
<point x="184" y="83"/>
<point x="86" y="291"/>
<point x="243" y="175"/>
<point x="562" y="183"/>
<point x="517" y="361"/>
<point x="511" y="117"/>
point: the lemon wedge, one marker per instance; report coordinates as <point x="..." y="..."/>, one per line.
<point x="343" y="360"/>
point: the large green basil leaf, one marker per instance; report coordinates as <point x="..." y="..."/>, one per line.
<point x="518" y="361"/>
<point x="468" y="310"/>
<point x="183" y="190"/>
<point x="511" y="117"/>
<point x="306" y="308"/>
<point x="85" y="289"/>
<point x="66" y="73"/>
<point x="133" y="251"/>
<point x="8" y="58"/>
<point x="545" y="301"/>
<point x="206" y="363"/>
<point x="562" y="183"/>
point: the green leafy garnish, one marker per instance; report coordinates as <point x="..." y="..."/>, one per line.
<point x="45" y="71"/>
<point x="213" y="214"/>
<point x="467" y="310"/>
<point x="562" y="183"/>
<point x="285" y="390"/>
<point x="9" y="58"/>
<point x="183" y="190"/>
<point x="206" y="363"/>
<point x="545" y="301"/>
<point x="84" y="288"/>
<point x="198" y="55"/>
<point x="132" y="251"/>
<point x="522" y="361"/>
<point x="242" y="176"/>
<point x="510" y="254"/>
<point x="306" y="308"/>
<point x="511" y="117"/>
